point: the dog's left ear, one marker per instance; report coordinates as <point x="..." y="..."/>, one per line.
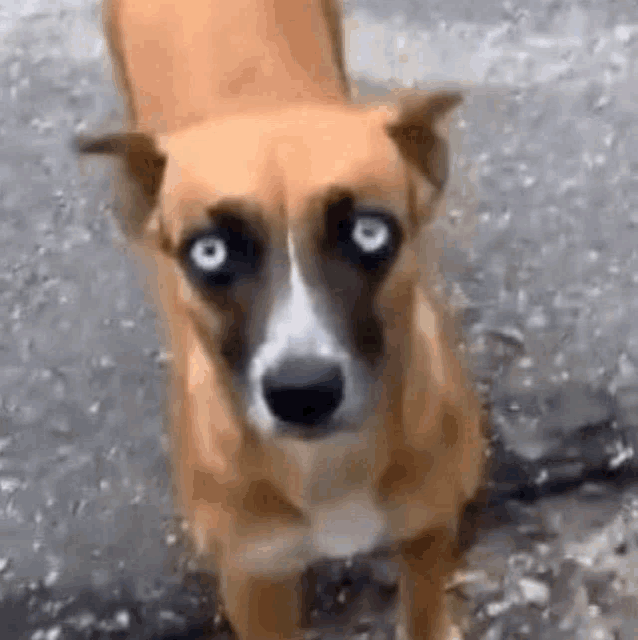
<point x="140" y="185"/>
<point x="417" y="136"/>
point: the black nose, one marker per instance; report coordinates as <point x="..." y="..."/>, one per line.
<point x="302" y="392"/>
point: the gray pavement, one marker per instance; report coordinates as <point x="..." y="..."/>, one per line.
<point x="540" y="255"/>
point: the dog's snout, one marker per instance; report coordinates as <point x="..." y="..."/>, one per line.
<point x="304" y="393"/>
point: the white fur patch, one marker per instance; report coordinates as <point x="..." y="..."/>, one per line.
<point x="353" y="525"/>
<point x="294" y="331"/>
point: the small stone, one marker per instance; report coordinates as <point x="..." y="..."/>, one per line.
<point x="623" y="33"/>
<point x="534" y="591"/>
<point x="123" y="619"/>
<point x="495" y="632"/>
<point x="9" y="484"/>
<point x="82" y="621"/>
<point x="171" y="539"/>
<point x="599" y="632"/>
<point x="509" y="334"/>
<point x="495" y="609"/>
<point x="166" y="614"/>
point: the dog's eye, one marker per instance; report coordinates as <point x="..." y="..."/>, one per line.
<point x="370" y="234"/>
<point x="368" y="239"/>
<point x="208" y="254"/>
<point x="219" y="257"/>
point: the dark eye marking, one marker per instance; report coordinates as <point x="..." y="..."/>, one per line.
<point x="367" y="237"/>
<point x="219" y="256"/>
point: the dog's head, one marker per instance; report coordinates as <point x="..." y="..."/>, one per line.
<point x="290" y="247"/>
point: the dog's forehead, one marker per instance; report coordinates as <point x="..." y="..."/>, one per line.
<point x="276" y="162"/>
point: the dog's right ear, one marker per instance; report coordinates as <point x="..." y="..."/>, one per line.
<point x="143" y="169"/>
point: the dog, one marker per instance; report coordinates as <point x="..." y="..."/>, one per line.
<point x="318" y="406"/>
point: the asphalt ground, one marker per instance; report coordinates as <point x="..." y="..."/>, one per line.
<point x="539" y="256"/>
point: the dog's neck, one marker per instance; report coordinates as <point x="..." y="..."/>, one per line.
<point x="219" y="58"/>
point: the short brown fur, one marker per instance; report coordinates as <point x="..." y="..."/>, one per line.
<point x="244" y="107"/>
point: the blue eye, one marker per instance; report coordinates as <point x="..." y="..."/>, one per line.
<point x="220" y="256"/>
<point x="367" y="238"/>
<point x="208" y="254"/>
<point x="370" y="234"/>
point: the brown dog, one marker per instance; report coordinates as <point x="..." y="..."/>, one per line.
<point x="318" y="409"/>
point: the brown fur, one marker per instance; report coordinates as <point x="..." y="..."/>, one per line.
<point x="244" y="108"/>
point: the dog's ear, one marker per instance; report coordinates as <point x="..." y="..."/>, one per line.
<point x="139" y="184"/>
<point x="418" y="137"/>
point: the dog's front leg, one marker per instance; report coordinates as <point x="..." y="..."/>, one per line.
<point x="261" y="607"/>
<point x="425" y="563"/>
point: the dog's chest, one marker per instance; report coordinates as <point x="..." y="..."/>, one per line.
<point x="339" y="530"/>
<point x="331" y="484"/>
<point x="351" y="526"/>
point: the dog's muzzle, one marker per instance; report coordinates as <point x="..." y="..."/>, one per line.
<point x="304" y="394"/>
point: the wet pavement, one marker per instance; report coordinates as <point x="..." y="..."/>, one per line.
<point x="540" y="255"/>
